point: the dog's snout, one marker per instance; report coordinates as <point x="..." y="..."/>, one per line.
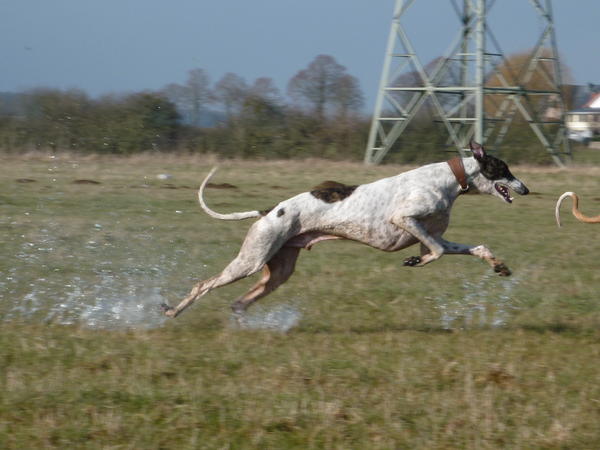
<point x="519" y="187"/>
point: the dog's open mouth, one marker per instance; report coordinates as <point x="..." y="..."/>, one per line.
<point x="504" y="192"/>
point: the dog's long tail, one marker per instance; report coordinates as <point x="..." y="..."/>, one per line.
<point x="216" y="215"/>
<point x="576" y="212"/>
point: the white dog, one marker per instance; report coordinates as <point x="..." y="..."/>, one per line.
<point x="389" y="214"/>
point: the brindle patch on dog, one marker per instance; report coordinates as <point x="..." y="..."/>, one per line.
<point x="332" y="191"/>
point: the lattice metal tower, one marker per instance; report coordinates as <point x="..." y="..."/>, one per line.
<point x="473" y="91"/>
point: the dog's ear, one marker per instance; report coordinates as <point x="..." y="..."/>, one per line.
<point x="477" y="150"/>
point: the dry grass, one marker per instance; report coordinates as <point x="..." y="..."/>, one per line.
<point x="448" y="356"/>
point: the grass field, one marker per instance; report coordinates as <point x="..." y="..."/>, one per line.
<point x="354" y="352"/>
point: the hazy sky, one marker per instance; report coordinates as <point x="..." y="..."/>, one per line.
<point x="104" y="46"/>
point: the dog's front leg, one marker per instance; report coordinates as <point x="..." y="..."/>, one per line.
<point x="481" y="251"/>
<point x="414" y="227"/>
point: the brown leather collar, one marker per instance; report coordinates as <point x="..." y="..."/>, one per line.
<point x="458" y="169"/>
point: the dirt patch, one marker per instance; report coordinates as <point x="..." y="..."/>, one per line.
<point x="173" y="186"/>
<point x="221" y="186"/>
<point x="85" y="181"/>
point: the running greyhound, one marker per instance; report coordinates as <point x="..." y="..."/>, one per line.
<point x="389" y="214"/>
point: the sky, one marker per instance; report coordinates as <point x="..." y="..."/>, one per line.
<point x="118" y="46"/>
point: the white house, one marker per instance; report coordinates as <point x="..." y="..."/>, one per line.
<point x="583" y="123"/>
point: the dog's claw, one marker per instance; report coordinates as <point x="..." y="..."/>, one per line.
<point x="502" y="270"/>
<point x="412" y="261"/>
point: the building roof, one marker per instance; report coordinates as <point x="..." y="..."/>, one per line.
<point x="593" y="102"/>
<point x="584" y="99"/>
<point x="584" y="111"/>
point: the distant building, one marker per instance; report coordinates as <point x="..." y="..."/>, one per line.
<point x="583" y="121"/>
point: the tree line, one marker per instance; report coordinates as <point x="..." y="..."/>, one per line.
<point x="231" y="118"/>
<point x="319" y="115"/>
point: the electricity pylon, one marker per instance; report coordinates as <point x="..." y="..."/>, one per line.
<point x="468" y="81"/>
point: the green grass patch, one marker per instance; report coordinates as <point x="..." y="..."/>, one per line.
<point x="380" y="355"/>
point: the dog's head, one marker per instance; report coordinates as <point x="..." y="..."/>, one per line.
<point x="494" y="177"/>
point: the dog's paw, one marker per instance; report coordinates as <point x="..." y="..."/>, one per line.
<point x="168" y="311"/>
<point x="239" y="319"/>
<point x="412" y="261"/>
<point x="502" y="270"/>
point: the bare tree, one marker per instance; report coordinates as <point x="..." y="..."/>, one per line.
<point x="347" y="96"/>
<point x="177" y="94"/>
<point x="318" y="84"/>
<point x="191" y="99"/>
<point x="199" y="93"/>
<point x="231" y="91"/>
<point x="265" y="88"/>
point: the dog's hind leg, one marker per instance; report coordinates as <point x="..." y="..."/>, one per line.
<point x="481" y="251"/>
<point x="261" y="243"/>
<point x="276" y="272"/>
<point x="236" y="270"/>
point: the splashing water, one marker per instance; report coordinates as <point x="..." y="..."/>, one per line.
<point x="97" y="280"/>
<point x="103" y="293"/>
<point x="281" y="317"/>
<point x="114" y="302"/>
<point x="487" y="302"/>
<point x="102" y="282"/>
